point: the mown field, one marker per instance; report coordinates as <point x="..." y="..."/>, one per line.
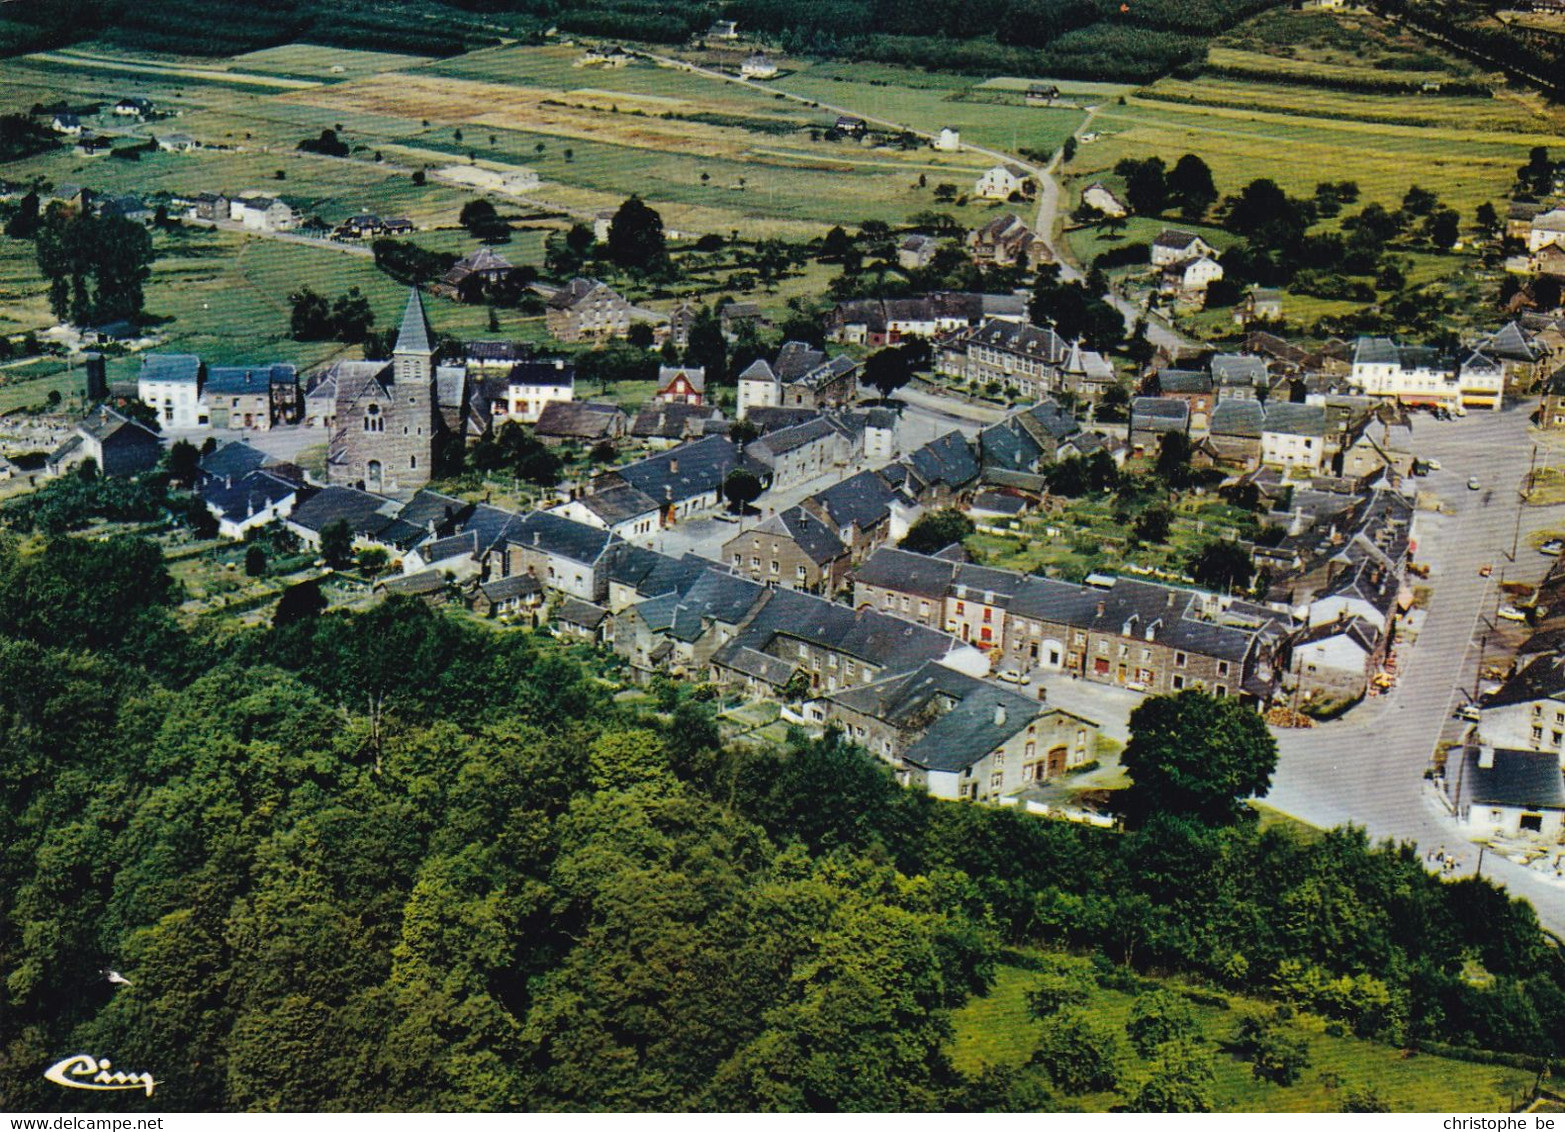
<point x="996" y="1030"/>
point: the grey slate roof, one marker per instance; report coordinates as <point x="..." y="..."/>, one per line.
<point x="1526" y="779"/>
<point x="812" y="536"/>
<point x="1295" y="420"/>
<point x="517" y="585"/>
<point x="414" y="333"/>
<point x="906" y="572"/>
<point x="1159" y="414"/>
<point x="365" y="514"/>
<point x="618" y="503"/>
<point x="573" y="611"/>
<point x="875" y="638"/>
<point x="247" y="495"/>
<point x="1543" y="679"/>
<point x="1238" y="418"/>
<point x="232" y="380"/>
<point x="863" y="499"/>
<point x="1184" y="381"/>
<point x="999" y="503"/>
<point x="171" y="367"/>
<point x="692" y="469"/>
<point x="948" y="459"/>
<point x="1238" y="369"/>
<point x="578" y="420"/>
<point x="559" y="536"/>
<point x="670" y="421"/>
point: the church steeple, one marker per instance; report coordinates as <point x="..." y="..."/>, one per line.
<point x="414" y="337"/>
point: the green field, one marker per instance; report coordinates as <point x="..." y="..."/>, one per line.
<point x="996" y="1030"/>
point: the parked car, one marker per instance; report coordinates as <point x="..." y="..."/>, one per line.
<point x="1473" y="484"/>
<point x="1432" y="465"/>
<point x="1469" y="712"/>
<point x="1552" y="548"/>
<point x="1011" y="676"/>
<point x="1485" y="570"/>
<point x="1510" y="613"/>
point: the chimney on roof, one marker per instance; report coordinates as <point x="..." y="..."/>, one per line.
<point x="1485" y="757"/>
<point x="536" y="537"/>
<point x="1171" y="599"/>
<point x="1102" y="607"/>
<point x="999" y="715"/>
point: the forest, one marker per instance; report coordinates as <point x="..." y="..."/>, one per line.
<point x="400" y="860"/>
<point x="1074" y="38"/>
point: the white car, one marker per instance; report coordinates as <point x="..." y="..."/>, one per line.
<point x="1432" y="465"/>
<point x="1473" y="484"/>
<point x="1510" y="613"/>
<point x="1011" y="676"/>
<point x="1469" y="712"/>
<point x="1552" y="547"/>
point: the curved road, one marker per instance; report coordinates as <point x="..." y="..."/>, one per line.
<point x="1048" y="188"/>
<point x="1368" y="768"/>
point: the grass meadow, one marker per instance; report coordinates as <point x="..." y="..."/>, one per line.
<point x="996" y="1030"/>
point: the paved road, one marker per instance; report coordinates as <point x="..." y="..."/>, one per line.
<point x="1368" y="768"/>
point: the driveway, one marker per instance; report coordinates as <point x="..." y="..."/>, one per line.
<point x="1368" y="769"/>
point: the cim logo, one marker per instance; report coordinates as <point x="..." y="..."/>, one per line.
<point x="83" y="1071"/>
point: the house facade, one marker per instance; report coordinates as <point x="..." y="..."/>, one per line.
<point x="586" y="309"/>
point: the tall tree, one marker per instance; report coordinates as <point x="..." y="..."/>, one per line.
<point x="97" y="267"/>
<point x="636" y="239"/>
<point x="1195" y="755"/>
<point x="1190" y="186"/>
<point x="888" y="370"/>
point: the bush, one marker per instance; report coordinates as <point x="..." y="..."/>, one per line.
<point x="1080" y="1054"/>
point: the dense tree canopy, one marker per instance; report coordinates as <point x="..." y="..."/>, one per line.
<point x="395" y="860"/>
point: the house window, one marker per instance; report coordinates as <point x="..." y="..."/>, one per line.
<point x="1179" y="659"/>
<point x="1537" y="734"/>
<point x="961" y="608"/>
<point x="1222" y="668"/>
<point x="755" y="562"/>
<point x="1531" y="823"/>
<point x="776" y="566"/>
<point x="1146" y="655"/>
<point x="1103" y="647"/>
<point x="1179" y="682"/>
<point x="798" y="572"/>
<point x="988" y="615"/>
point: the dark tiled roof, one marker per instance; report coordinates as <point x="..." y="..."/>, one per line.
<point x="580" y="420"/>
<point x="1295" y="420"/>
<point x="906" y="572"/>
<point x="1527" y="779"/>
<point x="618" y="503"/>
<point x="171" y="367"/>
<point x="1184" y="381"/>
<point x="1238" y="418"/>
<point x="542" y="371"/>
<point x="811" y="535"/>
<point x="685" y="472"/>
<point x="1543" y="679"/>
<point x="235" y="380"/>
<point x="883" y="641"/>
<point x="107" y="426"/>
<point x="670" y="421"/>
<point x="365" y="514"/>
<point x="573" y="611"/>
<point x="863" y="499"/>
<point x="559" y="536"/>
<point x="414" y="335"/>
<point x="415" y="585"/>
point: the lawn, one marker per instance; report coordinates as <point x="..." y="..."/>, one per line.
<point x="996" y="1030"/>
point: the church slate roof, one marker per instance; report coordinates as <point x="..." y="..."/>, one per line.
<point x="414" y="334"/>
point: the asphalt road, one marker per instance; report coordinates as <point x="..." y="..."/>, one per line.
<point x="1368" y="769"/>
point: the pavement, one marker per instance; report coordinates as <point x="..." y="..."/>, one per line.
<point x="1368" y="768"/>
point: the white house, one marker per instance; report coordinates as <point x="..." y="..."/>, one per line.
<point x="1001" y="181"/>
<point x="262" y="214"/>
<point x="1173" y="245"/>
<point x="533" y="384"/>
<point x="1528" y="711"/>
<point x="177" y="143"/>
<point x="1546" y="229"/>
<point x="68" y="124"/>
<point x="1499" y="792"/>
<point x="948" y="140"/>
<point x="1413" y="375"/>
<point x="171" y="385"/>
<point x="1193" y="276"/>
<point x="1294" y="437"/>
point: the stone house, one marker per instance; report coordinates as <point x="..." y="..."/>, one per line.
<point x="243" y="397"/>
<point x="579" y="422"/>
<point x="1172" y="245"/>
<point x="792" y="549"/>
<point x="1006" y="241"/>
<point x="1335" y="659"/>
<point x="958" y="737"/>
<point x="1003" y="180"/>
<point x="1151" y="417"/>
<point x="804" y="451"/>
<point x="586" y="309"/>
<point x="118" y="445"/>
<point x="621" y="510"/>
<point x="1192" y="387"/>
<point x="563" y="555"/>
<point x="1294" y="437"/>
<point x="800" y="377"/>
<point x="1551" y="405"/>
